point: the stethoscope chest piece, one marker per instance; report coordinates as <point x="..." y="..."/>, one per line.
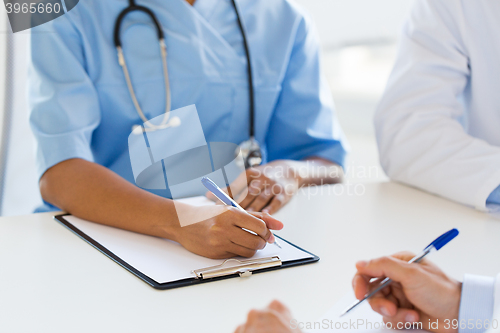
<point x="251" y="152"/>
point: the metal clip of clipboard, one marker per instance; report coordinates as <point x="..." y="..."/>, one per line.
<point x="234" y="266"/>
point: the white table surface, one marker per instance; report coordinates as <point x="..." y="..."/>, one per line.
<point x="52" y="281"/>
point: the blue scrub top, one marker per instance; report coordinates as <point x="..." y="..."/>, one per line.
<point x="81" y="108"/>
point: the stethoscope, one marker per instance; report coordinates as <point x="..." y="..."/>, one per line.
<point x="250" y="149"/>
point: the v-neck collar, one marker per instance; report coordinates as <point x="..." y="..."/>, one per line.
<point x="206" y="8"/>
<point x="200" y="22"/>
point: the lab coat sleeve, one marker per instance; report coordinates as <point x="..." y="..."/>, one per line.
<point x="476" y="303"/>
<point x="495" y="322"/>
<point x="64" y="108"/>
<point x="304" y="123"/>
<point x="418" y="122"/>
<point x="496" y="305"/>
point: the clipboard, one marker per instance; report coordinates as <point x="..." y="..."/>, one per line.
<point x="105" y="238"/>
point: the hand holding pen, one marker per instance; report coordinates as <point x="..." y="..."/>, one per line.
<point x="229" y="232"/>
<point x="418" y="292"/>
<point x="222" y="236"/>
<point x="227" y="200"/>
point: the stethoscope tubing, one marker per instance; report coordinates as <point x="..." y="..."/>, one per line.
<point x="132" y="8"/>
<point x="161" y="38"/>
<point x="249" y="72"/>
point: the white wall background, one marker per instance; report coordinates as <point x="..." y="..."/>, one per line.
<point x="21" y="194"/>
<point x="347" y="22"/>
<point x="359" y="39"/>
<point x="357" y="75"/>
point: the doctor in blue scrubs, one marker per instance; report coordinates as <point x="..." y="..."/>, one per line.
<point x="82" y="111"/>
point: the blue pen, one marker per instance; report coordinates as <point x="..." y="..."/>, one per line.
<point x="436" y="245"/>
<point x="226" y="199"/>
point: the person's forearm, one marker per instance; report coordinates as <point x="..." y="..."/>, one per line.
<point x="93" y="192"/>
<point x="317" y="171"/>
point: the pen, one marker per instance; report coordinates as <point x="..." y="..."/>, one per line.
<point x="226" y="199"/>
<point x="436" y="245"/>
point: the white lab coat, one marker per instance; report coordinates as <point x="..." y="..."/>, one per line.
<point x="438" y="123"/>
<point x="496" y="308"/>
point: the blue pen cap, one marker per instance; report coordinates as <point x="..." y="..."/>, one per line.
<point x="444" y="239"/>
<point x="207" y="181"/>
<point x="212" y="187"/>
